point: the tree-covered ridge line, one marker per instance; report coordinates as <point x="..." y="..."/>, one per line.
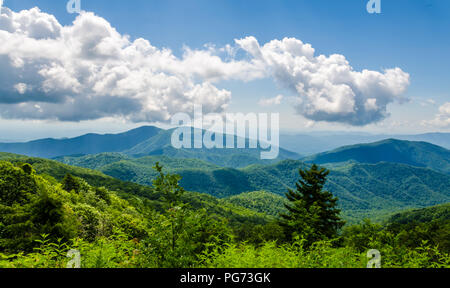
<point x="42" y="218"/>
<point x="261" y="201"/>
<point x="143" y="141"/>
<point x="33" y="205"/>
<point x="128" y="190"/>
<point x="424" y="215"/>
<point x="418" y="154"/>
<point x="365" y="190"/>
<point x="85" y="144"/>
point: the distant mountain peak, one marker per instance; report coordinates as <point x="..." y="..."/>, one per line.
<point x="141" y="141"/>
<point x="419" y="154"/>
<point x="91" y="143"/>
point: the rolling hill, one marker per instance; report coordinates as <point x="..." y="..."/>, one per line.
<point x="424" y="215"/>
<point x="364" y="190"/>
<point x="261" y="201"/>
<point x="160" y="145"/>
<point x="432" y="224"/>
<point x="144" y="141"/>
<point x="86" y="144"/>
<point x="419" y="154"/>
<point x="312" y="143"/>
<point x="236" y="214"/>
<point x="363" y="187"/>
<point x="369" y="179"/>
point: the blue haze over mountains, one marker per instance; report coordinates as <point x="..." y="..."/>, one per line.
<point x="311" y="143"/>
<point x="148" y="139"/>
<point x="373" y="179"/>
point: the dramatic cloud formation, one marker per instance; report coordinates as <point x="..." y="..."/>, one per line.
<point x="328" y="88"/>
<point x="442" y="119"/>
<point x="88" y="70"/>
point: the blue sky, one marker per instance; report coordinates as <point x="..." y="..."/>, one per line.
<point x="411" y="35"/>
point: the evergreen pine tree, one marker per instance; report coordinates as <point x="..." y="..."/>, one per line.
<point x="312" y="212"/>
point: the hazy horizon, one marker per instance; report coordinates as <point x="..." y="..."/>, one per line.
<point x="391" y="82"/>
<point x="77" y="132"/>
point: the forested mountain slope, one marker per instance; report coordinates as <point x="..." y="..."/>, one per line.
<point x="236" y="214"/>
<point x="144" y="141"/>
<point x="363" y="189"/>
<point x="420" y="154"/>
<point x="86" y="144"/>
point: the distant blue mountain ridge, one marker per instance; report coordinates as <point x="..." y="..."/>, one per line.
<point x="143" y="141"/>
<point x="419" y="154"/>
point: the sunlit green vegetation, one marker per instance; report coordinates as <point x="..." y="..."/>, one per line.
<point x="261" y="201"/>
<point x="48" y="209"/>
<point x="373" y="191"/>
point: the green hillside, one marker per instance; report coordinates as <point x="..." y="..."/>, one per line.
<point x="92" y="161"/>
<point x="109" y="161"/>
<point x="261" y="201"/>
<point x="32" y="205"/>
<point x="430" y="224"/>
<point x="424" y="215"/>
<point x="143" y="141"/>
<point x="419" y="154"/>
<point x="128" y="190"/>
<point x="359" y="186"/>
<point x="43" y="218"/>
<point x="364" y="190"/>
<point x="160" y="145"/>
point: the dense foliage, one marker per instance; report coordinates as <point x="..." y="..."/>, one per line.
<point x="372" y="191"/>
<point x="43" y="218"/>
<point x="32" y="206"/>
<point x="127" y="190"/>
<point x="261" y="201"/>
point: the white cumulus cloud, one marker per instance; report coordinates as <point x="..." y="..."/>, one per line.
<point x="442" y="119"/>
<point x="87" y="70"/>
<point x="328" y="88"/>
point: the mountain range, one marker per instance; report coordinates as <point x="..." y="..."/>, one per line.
<point x="369" y="179"/>
<point x="149" y="139"/>
<point x="363" y="189"/>
<point x="86" y="144"/>
<point x="419" y="154"/>
<point x="312" y="143"/>
<point x="143" y="141"/>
